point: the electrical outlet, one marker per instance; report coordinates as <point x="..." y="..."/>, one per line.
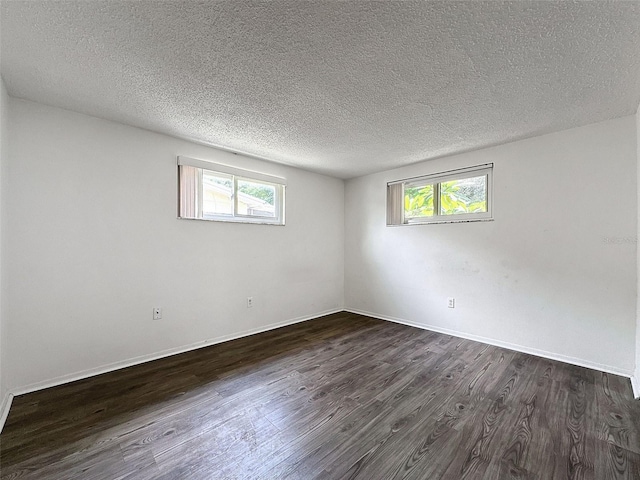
<point x="451" y="302"/>
<point x="249" y="302"/>
<point x="157" y="313"/>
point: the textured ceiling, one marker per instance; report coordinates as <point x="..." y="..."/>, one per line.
<point x="342" y="88"/>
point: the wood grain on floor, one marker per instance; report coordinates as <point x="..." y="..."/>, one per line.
<point x="339" y="397"/>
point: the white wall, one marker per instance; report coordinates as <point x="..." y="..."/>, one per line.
<point x="4" y="391"/>
<point x="636" y="379"/>
<point x="555" y="273"/>
<point x="94" y="245"/>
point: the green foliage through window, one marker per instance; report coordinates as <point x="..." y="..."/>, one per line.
<point x="418" y="201"/>
<point x="467" y="195"/>
<point x="263" y="192"/>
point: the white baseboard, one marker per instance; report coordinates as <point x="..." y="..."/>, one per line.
<point x="155" y="356"/>
<point x="4" y="409"/>
<point x="7" y="401"/>
<point x="499" y="343"/>
<point x="635" y="385"/>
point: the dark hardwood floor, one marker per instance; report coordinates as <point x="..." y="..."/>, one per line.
<point x="339" y="397"/>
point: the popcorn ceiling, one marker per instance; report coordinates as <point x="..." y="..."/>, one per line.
<point x="341" y="88"/>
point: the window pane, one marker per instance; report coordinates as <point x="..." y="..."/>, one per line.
<point x="418" y="201"/>
<point x="468" y="195"/>
<point x="256" y="199"/>
<point x="217" y="194"/>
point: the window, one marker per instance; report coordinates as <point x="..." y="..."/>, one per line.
<point x="456" y="196"/>
<point x="212" y="191"/>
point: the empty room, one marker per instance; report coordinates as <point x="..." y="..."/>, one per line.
<point x="319" y="240"/>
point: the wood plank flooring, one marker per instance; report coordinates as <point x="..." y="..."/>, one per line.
<point x="340" y="397"/>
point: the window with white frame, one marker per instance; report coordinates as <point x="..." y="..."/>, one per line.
<point x="212" y="191"/>
<point x="462" y="195"/>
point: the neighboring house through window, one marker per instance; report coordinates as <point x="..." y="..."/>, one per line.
<point x="212" y="191"/>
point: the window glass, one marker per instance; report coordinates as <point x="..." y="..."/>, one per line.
<point x="217" y="194"/>
<point x="229" y="194"/>
<point x="468" y="195"/>
<point x="462" y="195"/>
<point x="256" y="199"/>
<point x="418" y="201"/>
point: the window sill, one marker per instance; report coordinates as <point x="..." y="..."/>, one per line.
<point x="236" y="220"/>
<point x="437" y="222"/>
